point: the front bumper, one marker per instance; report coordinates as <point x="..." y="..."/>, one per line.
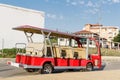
<point x="23" y="65"/>
<point x="13" y="64"/>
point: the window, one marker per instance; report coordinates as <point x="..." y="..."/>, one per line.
<point x="61" y="39"/>
<point x="63" y="53"/>
<point x="75" y="55"/>
<point x="110" y="33"/>
<point x="110" y="37"/>
<point x="49" y="54"/>
<point x="83" y="40"/>
<point x="92" y="49"/>
<point x="90" y="42"/>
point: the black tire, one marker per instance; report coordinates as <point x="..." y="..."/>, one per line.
<point x="47" y="69"/>
<point x="89" y="67"/>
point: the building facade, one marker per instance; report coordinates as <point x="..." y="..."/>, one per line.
<point x="85" y="33"/>
<point x="82" y="33"/>
<point x="13" y="16"/>
<point x="106" y="33"/>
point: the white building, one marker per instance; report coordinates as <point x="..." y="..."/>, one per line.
<point x="82" y="33"/>
<point x="65" y="42"/>
<point x="104" y="32"/>
<point x="12" y="16"/>
<point x="85" y="33"/>
<point x="107" y="32"/>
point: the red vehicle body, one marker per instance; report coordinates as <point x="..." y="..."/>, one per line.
<point x="51" y="57"/>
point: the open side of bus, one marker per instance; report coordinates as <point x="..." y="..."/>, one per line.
<point x="47" y="56"/>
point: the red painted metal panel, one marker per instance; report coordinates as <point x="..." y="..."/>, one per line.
<point x="62" y="62"/>
<point x="98" y="58"/>
<point x="74" y="62"/>
<point x="84" y="62"/>
<point x="18" y="58"/>
<point x="28" y="60"/>
<point x="39" y="61"/>
<point x="32" y="60"/>
<point x="36" y="60"/>
<point x="23" y="59"/>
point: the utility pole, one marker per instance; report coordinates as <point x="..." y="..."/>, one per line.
<point x="99" y="21"/>
<point x="2" y="46"/>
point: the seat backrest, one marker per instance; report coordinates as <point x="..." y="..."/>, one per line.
<point x="60" y="52"/>
<point x="34" y="48"/>
<point x="81" y="52"/>
<point x="56" y="51"/>
<point x="68" y="51"/>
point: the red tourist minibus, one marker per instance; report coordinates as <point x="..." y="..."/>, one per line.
<point x="47" y="56"/>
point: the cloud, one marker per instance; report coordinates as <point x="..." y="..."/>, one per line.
<point x="92" y="11"/>
<point x="81" y="2"/>
<point x="109" y="2"/>
<point x="74" y="3"/>
<point x="46" y="0"/>
<point x="90" y="4"/>
<point x="67" y="1"/>
<point x="61" y="17"/>
<point x="116" y="1"/>
<point x="54" y="16"/>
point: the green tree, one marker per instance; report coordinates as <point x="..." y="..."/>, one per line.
<point x="117" y="38"/>
<point x="53" y="39"/>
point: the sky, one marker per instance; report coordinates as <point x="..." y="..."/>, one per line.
<point x="72" y="15"/>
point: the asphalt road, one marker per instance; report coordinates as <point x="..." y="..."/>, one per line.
<point x="9" y="71"/>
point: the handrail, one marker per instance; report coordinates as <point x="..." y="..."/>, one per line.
<point x="18" y="49"/>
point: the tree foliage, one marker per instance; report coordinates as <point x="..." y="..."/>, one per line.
<point x="10" y="52"/>
<point x="117" y="38"/>
<point x="53" y="39"/>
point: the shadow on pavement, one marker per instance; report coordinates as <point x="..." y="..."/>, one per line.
<point x="11" y="72"/>
<point x="5" y="70"/>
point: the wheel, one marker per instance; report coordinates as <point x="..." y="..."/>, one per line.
<point x="47" y="69"/>
<point x="89" y="67"/>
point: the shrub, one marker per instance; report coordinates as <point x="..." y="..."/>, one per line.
<point x="10" y="53"/>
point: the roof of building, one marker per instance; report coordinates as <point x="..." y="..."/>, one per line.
<point x="94" y="24"/>
<point x="84" y="31"/>
<point x="20" y="8"/>
<point x="112" y="27"/>
<point x="105" y="27"/>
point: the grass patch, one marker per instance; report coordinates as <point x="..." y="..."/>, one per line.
<point x="110" y="52"/>
<point x="11" y="53"/>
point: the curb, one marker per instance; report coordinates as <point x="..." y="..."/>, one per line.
<point x="4" y="60"/>
<point x="110" y="59"/>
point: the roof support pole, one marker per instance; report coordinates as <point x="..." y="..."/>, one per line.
<point x="47" y="38"/>
<point x="87" y="48"/>
<point x="29" y="37"/>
